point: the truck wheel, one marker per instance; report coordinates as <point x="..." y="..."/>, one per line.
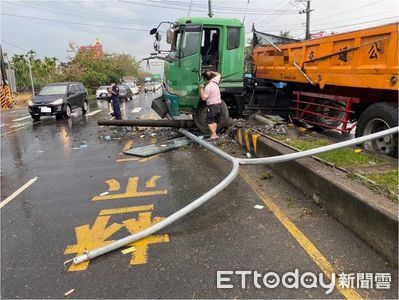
<point x="35" y="117"/>
<point x="328" y="112"/>
<point x="378" y="117"/>
<point x="200" y="118"/>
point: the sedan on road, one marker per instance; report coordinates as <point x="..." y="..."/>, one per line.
<point x="102" y="92"/>
<point x="149" y="87"/>
<point x="124" y="92"/>
<point x="59" y="99"/>
<point x="133" y="87"/>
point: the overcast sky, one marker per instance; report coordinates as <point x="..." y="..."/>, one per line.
<point x="122" y="26"/>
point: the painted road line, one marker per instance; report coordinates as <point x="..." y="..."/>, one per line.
<point x="306" y="244"/>
<point x="128" y="145"/>
<point x="19" y="125"/>
<point x="136" y="110"/>
<point x="17" y="192"/>
<point x="113" y="185"/>
<point x="123" y="210"/>
<point x="131" y="192"/>
<point x="138" y="159"/>
<point x="94" y="112"/>
<point x="23" y="118"/>
<point x="152" y="182"/>
<point x="128" y="250"/>
<point x="127" y="159"/>
<point x="149" y="158"/>
<point x="19" y="128"/>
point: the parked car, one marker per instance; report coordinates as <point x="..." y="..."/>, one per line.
<point x="158" y="86"/>
<point x="149" y="87"/>
<point x="124" y="92"/>
<point x="102" y="92"/>
<point x="59" y="99"/>
<point x="133" y="87"/>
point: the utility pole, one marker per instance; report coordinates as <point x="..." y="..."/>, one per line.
<point x="307" y="35"/>
<point x="307" y="11"/>
<point x="210" y="14"/>
<point x="31" y="76"/>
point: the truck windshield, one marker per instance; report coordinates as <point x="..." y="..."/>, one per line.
<point x="53" y="90"/>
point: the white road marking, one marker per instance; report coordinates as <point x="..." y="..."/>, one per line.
<point x="19" y="128"/>
<point x="17" y="192"/>
<point x="19" y="125"/>
<point x="136" y="110"/>
<point x="94" y="112"/>
<point x="20" y="119"/>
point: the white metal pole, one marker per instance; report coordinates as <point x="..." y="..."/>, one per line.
<point x="31" y="76"/>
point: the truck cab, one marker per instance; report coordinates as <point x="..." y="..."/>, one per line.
<point x="198" y="44"/>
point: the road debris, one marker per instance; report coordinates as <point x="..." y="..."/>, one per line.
<point x="69" y="292"/>
<point x="154" y="149"/>
<point x="259" y="206"/>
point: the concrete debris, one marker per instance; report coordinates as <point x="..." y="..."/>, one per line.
<point x="267" y="125"/>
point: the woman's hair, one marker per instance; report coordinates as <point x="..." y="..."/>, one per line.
<point x="208" y="75"/>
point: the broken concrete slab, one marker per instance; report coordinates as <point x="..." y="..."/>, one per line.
<point x="157" y="148"/>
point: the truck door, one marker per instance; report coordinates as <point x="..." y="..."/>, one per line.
<point x="189" y="65"/>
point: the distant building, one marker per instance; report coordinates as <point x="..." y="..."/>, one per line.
<point x="96" y="50"/>
<point x="317" y="35"/>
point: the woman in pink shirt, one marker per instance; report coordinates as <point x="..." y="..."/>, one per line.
<point x="211" y="94"/>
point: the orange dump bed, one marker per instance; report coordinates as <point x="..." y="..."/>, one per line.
<point x="365" y="58"/>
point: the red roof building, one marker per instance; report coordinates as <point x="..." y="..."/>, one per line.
<point x="96" y="50"/>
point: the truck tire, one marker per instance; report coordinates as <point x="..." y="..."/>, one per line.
<point x="329" y="113"/>
<point x="378" y="117"/>
<point x="200" y="118"/>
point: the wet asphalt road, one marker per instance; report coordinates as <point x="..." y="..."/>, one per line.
<point x="69" y="209"/>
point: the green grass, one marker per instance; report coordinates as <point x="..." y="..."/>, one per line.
<point x="265" y="175"/>
<point x="387" y="179"/>
<point x="345" y="157"/>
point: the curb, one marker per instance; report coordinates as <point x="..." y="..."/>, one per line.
<point x="370" y="216"/>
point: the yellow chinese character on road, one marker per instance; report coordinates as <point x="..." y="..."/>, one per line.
<point x="90" y="238"/>
<point x="140" y="253"/>
<point x="131" y="189"/>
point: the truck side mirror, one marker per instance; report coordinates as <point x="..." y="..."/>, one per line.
<point x="158" y="36"/>
<point x="153" y="31"/>
<point x="169" y="35"/>
<point x="157" y="46"/>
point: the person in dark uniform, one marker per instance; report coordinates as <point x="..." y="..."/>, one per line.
<point x="114" y="90"/>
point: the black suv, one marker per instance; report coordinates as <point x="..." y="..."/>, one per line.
<point x="59" y="99"/>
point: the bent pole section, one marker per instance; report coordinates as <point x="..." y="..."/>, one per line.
<point x="175" y="216"/>
<point x="221" y="186"/>
<point x="311" y="152"/>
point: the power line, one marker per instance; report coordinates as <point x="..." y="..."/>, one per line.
<point x="23" y="49"/>
<point x="230" y="11"/>
<point x="189" y="8"/>
<point x="349" y="10"/>
<point x="229" y="8"/>
<point x="267" y="19"/>
<point x="293" y="27"/>
<point x="360" y="23"/>
<point x="74" y="14"/>
<point x="74" y="23"/>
